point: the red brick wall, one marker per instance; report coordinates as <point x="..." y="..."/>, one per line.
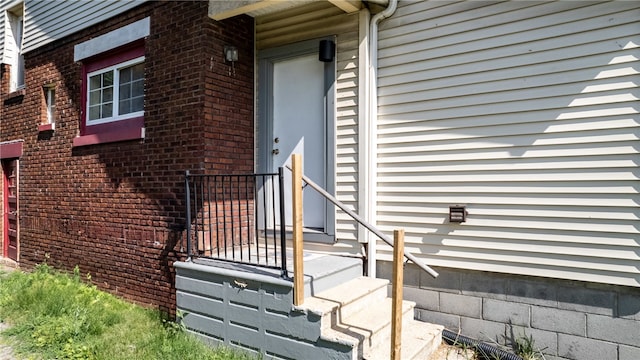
<point x="116" y="209"/>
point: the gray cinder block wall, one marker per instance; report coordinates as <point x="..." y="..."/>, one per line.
<point x="568" y="319"/>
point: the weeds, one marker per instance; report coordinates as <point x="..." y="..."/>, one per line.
<point x="57" y="316"/>
<point x="524" y="346"/>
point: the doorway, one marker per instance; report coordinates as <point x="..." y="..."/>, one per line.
<point x="10" y="208"/>
<point x="296" y="115"/>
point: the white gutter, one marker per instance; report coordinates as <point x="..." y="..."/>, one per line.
<point x="370" y="134"/>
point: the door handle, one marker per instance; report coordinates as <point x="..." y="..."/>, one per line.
<point x="275" y="151"/>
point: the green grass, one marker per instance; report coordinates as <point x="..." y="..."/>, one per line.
<point x="57" y="316"/>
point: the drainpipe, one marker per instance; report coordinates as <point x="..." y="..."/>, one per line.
<point x="370" y="133"/>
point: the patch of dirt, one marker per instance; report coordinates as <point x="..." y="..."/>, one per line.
<point x="6" y="352"/>
<point x="450" y="352"/>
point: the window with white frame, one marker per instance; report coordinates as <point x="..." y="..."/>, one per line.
<point x="113" y="81"/>
<point x="116" y="92"/>
<point x="50" y="103"/>
<point x="13" y="46"/>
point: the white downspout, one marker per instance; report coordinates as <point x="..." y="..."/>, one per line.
<point x="370" y="136"/>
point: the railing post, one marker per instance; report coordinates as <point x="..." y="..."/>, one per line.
<point x="187" y="201"/>
<point x="296" y="195"/>
<point x="283" y="230"/>
<point x="396" y="307"/>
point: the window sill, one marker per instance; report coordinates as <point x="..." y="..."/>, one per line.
<point x="134" y="133"/>
<point x="46" y="127"/>
<point x="15" y="96"/>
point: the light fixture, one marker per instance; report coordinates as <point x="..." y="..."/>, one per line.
<point x="230" y="53"/>
<point x="326" y="50"/>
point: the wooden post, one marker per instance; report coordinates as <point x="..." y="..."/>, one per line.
<point x="296" y="191"/>
<point x="396" y="307"/>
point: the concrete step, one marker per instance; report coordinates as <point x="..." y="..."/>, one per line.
<point x="346" y="299"/>
<point x="324" y="272"/>
<point x="358" y="313"/>
<point x="419" y="341"/>
<point x="373" y="325"/>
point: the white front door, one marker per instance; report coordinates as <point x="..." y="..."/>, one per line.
<point x="299" y="127"/>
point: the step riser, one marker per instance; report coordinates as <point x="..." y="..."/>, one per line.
<point x="383" y="336"/>
<point x="347" y="310"/>
<point x="364" y="302"/>
<point x="429" y="348"/>
<point x="328" y="281"/>
<point x="419" y="341"/>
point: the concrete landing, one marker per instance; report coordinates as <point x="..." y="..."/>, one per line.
<point x="321" y="271"/>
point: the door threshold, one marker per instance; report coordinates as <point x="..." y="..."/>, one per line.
<point x="309" y="234"/>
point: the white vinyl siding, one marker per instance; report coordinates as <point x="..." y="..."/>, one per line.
<point x="527" y="114"/>
<point x="47" y="21"/>
<point x="317" y="20"/>
<point x="4" y="6"/>
<point x="12" y="45"/>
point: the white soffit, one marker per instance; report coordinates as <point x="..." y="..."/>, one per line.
<point x="220" y="10"/>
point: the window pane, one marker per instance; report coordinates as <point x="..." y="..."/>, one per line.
<point x="125" y="91"/>
<point x="137" y="72"/>
<point x="107" y="110"/>
<point x="51" y="105"/>
<point x="95" y="82"/>
<point x="124" y="107"/>
<point x="131" y="96"/>
<point x="125" y="75"/>
<point x="138" y="88"/>
<point x="107" y="79"/>
<point x="107" y="94"/>
<point x="94" y="97"/>
<point x="137" y="104"/>
<point x="94" y="112"/>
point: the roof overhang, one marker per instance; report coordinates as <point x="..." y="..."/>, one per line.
<point x="223" y="9"/>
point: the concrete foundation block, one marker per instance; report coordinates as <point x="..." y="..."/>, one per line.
<point x="424" y="299"/>
<point x="483" y="330"/>
<point x="563" y="321"/>
<point x="506" y="312"/>
<point x="544" y="341"/>
<point x="580" y="348"/>
<point x="588" y="301"/>
<point x="469" y="306"/>
<point x="481" y="285"/>
<point x="447" y="281"/>
<point x="628" y="352"/>
<point x="530" y="292"/>
<point x="621" y="331"/>
<point x="451" y="322"/>
<point x="629" y="305"/>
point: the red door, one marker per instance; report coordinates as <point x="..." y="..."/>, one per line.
<point x="10" y="207"/>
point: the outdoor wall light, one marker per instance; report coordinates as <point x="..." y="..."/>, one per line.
<point x="326" y="50"/>
<point x="457" y="214"/>
<point x="230" y="53"/>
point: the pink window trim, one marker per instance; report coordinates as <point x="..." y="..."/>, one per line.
<point x="128" y="129"/>
<point x="11" y="150"/>
<point x="117" y="56"/>
<point x="109" y="137"/>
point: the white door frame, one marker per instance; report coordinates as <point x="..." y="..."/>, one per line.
<point x="266" y="59"/>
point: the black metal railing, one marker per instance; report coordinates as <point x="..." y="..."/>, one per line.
<point x="237" y="218"/>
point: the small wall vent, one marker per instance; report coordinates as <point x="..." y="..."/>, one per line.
<point x="457" y="214"/>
